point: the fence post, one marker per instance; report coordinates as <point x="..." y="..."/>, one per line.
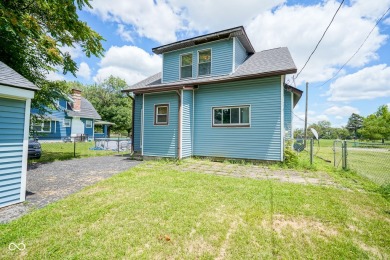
<point x="118" y="143"/>
<point x="311" y="151"/>
<point x="74" y="148"/>
<point x="334" y="153"/>
<point x="344" y="155"/>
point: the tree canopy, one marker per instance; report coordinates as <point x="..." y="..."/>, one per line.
<point x="355" y="122"/>
<point x="107" y="98"/>
<point x="377" y="125"/>
<point x="32" y="34"/>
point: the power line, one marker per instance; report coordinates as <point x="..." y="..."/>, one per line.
<point x="378" y="21"/>
<point x="320" y="39"/>
<point x="298" y="117"/>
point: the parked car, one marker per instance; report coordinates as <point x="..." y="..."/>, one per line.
<point x="34" y="149"/>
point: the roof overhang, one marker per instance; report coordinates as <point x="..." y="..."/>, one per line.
<point x="297" y="93"/>
<point x="238" y="32"/>
<point x="181" y="85"/>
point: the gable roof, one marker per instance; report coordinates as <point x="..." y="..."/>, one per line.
<point x="297" y="93"/>
<point x="10" y="77"/>
<point x="86" y="110"/>
<point x="238" y="32"/>
<point x="260" y="64"/>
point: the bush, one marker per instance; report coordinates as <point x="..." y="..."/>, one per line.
<point x="290" y="157"/>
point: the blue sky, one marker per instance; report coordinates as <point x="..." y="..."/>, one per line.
<point x="132" y="28"/>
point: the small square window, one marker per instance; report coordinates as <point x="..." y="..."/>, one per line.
<point x="66" y="122"/>
<point x="161" y="114"/>
<point x="88" y="123"/>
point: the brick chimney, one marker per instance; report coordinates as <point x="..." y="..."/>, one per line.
<point x="76" y="96"/>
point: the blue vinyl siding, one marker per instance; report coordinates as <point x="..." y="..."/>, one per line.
<point x="262" y="140"/>
<point x="287" y="115"/>
<point x="240" y="54"/>
<point x="160" y="140"/>
<point x="187" y="122"/>
<point x="137" y="123"/>
<point x="11" y="149"/>
<point x="88" y="131"/>
<point x="221" y="60"/>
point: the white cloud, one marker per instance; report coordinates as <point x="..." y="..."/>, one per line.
<point x="300" y="28"/>
<point x="341" y="111"/>
<point x="155" y="20"/>
<point x="128" y="62"/>
<point x="84" y="71"/>
<point x="339" y="117"/>
<point x="75" y="52"/>
<point x="54" y="76"/>
<point x="367" y="83"/>
<point x="387" y="21"/>
<point x="124" y="34"/>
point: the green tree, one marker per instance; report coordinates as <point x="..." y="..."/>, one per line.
<point x="112" y="105"/>
<point x="355" y="122"/>
<point x="377" y="125"/>
<point x="32" y="33"/>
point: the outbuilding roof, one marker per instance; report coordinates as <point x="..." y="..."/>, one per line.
<point x="265" y="63"/>
<point x="10" y="77"/>
<point x="238" y="32"/>
<point x="86" y="110"/>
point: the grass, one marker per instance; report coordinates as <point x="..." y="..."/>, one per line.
<point x="154" y="211"/>
<point x="371" y="163"/>
<point x="52" y="151"/>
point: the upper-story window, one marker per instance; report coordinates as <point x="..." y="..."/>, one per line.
<point x="186" y="66"/>
<point x="204" y="62"/>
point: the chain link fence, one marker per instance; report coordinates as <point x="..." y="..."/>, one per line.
<point x="369" y="159"/>
<point x="47" y="151"/>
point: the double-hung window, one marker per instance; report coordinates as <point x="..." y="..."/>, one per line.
<point x="204" y="62"/>
<point x="66" y="122"/>
<point x="42" y="126"/>
<point x="88" y="124"/>
<point x="231" y="116"/>
<point x="161" y="114"/>
<point x="186" y="66"/>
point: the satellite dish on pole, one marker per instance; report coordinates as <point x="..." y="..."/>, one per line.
<point x="314" y="133"/>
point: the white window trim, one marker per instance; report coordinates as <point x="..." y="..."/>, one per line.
<point x="66" y="120"/>
<point x="211" y="63"/>
<point x="192" y="65"/>
<point x="42" y="124"/>
<point x="156" y="123"/>
<point x="239" y="125"/>
<point x="86" y="123"/>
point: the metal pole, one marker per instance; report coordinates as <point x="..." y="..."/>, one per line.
<point x="74" y="148"/>
<point x="311" y="151"/>
<point x="118" y="143"/>
<point x="345" y="155"/>
<point x="334" y="153"/>
<point x="307" y="97"/>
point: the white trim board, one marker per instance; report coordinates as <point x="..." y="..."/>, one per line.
<point x="16" y="93"/>
<point x="23" y="182"/>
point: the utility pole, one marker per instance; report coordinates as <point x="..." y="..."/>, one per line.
<point x="307" y="97"/>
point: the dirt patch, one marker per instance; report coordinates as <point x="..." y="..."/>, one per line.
<point x="299" y="225"/>
<point x="198" y="246"/>
<point x="371" y="250"/>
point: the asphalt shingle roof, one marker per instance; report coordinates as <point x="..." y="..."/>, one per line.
<point x="10" y="77"/>
<point x="260" y="64"/>
<point x="86" y="110"/>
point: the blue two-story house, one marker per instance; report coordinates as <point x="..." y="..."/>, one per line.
<point x="216" y="97"/>
<point x="73" y="117"/>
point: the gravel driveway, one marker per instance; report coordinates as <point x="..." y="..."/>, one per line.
<point x="49" y="182"/>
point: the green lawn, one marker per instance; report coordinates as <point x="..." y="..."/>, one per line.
<point x="372" y="163"/>
<point x="154" y="211"/>
<point x="64" y="151"/>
